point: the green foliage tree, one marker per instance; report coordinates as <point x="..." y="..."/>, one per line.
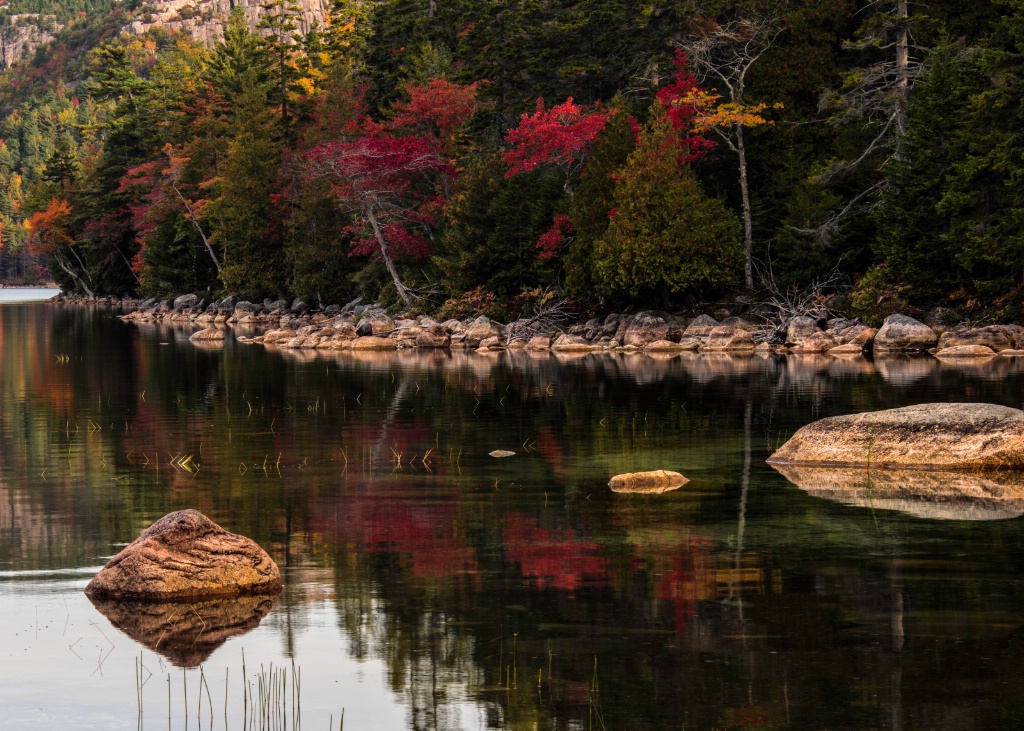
<point x="492" y="224"/>
<point x="239" y="53"/>
<point x="243" y="216"/>
<point x="986" y="186"/>
<point x="595" y="197"/>
<point x="665" y="235"/>
<point x="914" y="242"/>
<point x="278" y="27"/>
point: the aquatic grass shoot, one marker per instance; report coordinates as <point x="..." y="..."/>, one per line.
<point x="271" y="698"/>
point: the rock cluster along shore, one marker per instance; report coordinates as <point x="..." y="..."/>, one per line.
<point x="358" y="326"/>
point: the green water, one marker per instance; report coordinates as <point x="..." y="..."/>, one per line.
<point x="430" y="586"/>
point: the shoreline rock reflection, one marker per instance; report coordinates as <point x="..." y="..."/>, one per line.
<point x="934" y="495"/>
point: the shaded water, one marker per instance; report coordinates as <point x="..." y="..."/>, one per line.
<point x="430" y="586"/>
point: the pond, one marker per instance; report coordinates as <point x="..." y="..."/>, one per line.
<point x="431" y="586"/>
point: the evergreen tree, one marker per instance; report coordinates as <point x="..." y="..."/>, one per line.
<point x="913" y="242"/>
<point x="239" y="53"/>
<point x="243" y="216"/>
<point x="594" y="198"/>
<point x="665" y="235"/>
<point x="278" y="26"/>
<point x="986" y="187"/>
<point x="492" y="225"/>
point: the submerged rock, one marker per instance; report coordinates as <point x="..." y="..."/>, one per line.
<point x="936" y="495"/>
<point x="185" y="555"/>
<point x="926" y="436"/>
<point x="654" y="482"/>
<point x="965" y="351"/>
<point x="209" y="334"/>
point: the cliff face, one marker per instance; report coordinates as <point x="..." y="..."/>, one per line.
<point x="23" y="35"/>
<point x="204" y="19"/>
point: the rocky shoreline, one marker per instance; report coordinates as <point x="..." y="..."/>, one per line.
<point x="362" y="327"/>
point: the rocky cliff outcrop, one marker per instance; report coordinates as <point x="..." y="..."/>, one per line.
<point x="24" y="34"/>
<point x="204" y="20"/>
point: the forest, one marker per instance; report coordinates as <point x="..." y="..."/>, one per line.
<point x="485" y="156"/>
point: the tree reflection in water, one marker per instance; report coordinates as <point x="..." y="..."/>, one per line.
<point x="510" y="585"/>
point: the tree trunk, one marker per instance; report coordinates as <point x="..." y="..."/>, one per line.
<point x="902" y="65"/>
<point x="748" y="220"/>
<point x="192" y="217"/>
<point x="403" y="292"/>
<point x="64" y="265"/>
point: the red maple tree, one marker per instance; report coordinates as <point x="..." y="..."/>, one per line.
<point x="676" y="102"/>
<point x="383" y="181"/>
<point x="439" y="109"/>
<point x="560" y="136"/>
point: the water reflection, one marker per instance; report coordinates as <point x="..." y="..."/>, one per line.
<point x="186" y="633"/>
<point x="936" y="495"/>
<point x="515" y="593"/>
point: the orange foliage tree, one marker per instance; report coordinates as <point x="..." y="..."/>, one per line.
<point x="49" y="237"/>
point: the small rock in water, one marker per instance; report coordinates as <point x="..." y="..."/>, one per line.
<point x="209" y="334"/>
<point x="654" y="482"/>
<point x="501" y="453"/>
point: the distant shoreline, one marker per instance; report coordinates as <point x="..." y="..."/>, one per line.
<point x="27" y="295"/>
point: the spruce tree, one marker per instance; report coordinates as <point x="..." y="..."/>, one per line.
<point x="594" y="197"/>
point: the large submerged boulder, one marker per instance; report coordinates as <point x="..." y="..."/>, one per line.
<point x="185" y="555"/>
<point x="925" y="436"/>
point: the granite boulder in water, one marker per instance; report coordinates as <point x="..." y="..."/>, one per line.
<point x="185" y="556"/>
<point x="974" y="437"/>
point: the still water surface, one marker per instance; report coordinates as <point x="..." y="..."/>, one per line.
<point x="430" y="586"/>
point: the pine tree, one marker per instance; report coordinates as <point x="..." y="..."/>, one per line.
<point x="279" y="25"/>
